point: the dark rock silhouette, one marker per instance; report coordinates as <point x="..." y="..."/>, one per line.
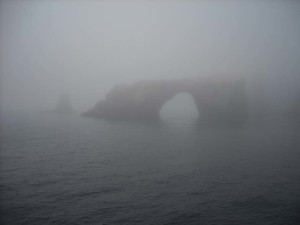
<point x="64" y="105"/>
<point x="219" y="101"/>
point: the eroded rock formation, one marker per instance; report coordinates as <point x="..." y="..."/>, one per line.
<point x="64" y="104"/>
<point x="217" y="100"/>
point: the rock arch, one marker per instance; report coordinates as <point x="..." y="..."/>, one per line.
<point x="182" y="106"/>
<point x="221" y="101"/>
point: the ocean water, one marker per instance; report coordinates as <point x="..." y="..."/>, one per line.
<point x="67" y="169"/>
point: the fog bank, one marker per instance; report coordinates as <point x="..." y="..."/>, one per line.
<point x="84" y="48"/>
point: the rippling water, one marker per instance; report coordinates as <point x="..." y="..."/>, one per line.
<point x="60" y="169"/>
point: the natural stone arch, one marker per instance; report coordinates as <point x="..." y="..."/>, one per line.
<point x="181" y="106"/>
<point x="221" y="101"/>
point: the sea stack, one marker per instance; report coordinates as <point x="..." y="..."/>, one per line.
<point x="64" y="104"/>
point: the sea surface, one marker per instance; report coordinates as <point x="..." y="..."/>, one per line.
<point x="67" y="169"/>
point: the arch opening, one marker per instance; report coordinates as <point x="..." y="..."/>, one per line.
<point x="181" y="107"/>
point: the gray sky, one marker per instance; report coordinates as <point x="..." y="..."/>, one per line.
<point x="86" y="47"/>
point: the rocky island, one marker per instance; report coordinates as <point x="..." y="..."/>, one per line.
<point x="220" y="101"/>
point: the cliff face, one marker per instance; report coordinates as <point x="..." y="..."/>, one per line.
<point x="220" y="101"/>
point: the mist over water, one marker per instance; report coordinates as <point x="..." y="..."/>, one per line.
<point x="84" y="49"/>
<point x="60" y="60"/>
